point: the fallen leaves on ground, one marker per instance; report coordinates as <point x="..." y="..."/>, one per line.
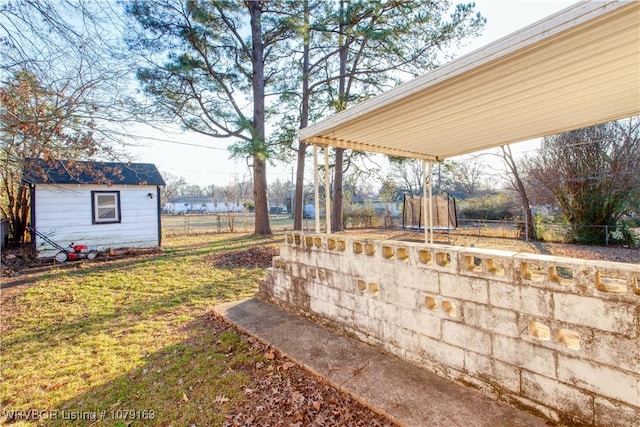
<point x="253" y="257"/>
<point x="17" y="259"/>
<point x="282" y="393"/>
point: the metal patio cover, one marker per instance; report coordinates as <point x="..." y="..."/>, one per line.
<point x="576" y="68"/>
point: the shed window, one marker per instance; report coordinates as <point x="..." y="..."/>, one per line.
<point x="105" y="206"/>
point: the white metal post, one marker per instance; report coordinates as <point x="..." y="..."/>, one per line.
<point x="424" y="200"/>
<point x="430" y="173"/>
<point x="327" y="192"/>
<point x="316" y="182"/>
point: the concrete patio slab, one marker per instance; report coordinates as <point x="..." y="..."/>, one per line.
<point x="406" y="393"/>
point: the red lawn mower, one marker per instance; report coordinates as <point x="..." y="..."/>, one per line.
<point x="72" y="252"/>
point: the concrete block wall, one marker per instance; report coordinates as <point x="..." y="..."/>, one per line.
<point x="557" y="336"/>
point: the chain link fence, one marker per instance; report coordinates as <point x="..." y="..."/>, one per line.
<point x="510" y="229"/>
<point x="223" y="223"/>
<point x="546" y="231"/>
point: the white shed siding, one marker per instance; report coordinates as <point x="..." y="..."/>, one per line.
<point x="63" y="213"/>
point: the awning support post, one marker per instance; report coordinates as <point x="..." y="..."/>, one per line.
<point x="316" y="183"/>
<point x="430" y="178"/>
<point x="327" y="192"/>
<point x="427" y="203"/>
<point x="424" y="200"/>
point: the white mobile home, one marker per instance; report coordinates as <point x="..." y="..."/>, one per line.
<point x="100" y="204"/>
<point x="201" y="205"/>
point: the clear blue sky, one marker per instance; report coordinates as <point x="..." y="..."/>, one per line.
<point x="209" y="163"/>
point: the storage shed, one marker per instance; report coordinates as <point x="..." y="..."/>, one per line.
<point x="104" y="205"/>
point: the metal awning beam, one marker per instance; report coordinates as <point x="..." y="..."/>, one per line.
<point x="576" y="68"/>
<point x="349" y="145"/>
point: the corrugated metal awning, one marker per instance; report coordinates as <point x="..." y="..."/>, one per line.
<point x="573" y="69"/>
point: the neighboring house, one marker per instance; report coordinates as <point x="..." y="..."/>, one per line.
<point x="100" y="204"/>
<point x="309" y="211"/>
<point x="190" y="205"/>
<point x="278" y="210"/>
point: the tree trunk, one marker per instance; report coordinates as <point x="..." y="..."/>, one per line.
<point x="258" y="144"/>
<point x="520" y="188"/>
<point x="336" y="210"/>
<point x="298" y="204"/>
<point x="260" y="196"/>
<point x="338" y="170"/>
<point x="19" y="209"/>
<point x="532" y="232"/>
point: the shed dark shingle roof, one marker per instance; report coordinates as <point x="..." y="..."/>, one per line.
<point x="38" y="171"/>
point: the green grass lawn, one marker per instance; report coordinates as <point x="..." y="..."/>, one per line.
<point x="130" y="334"/>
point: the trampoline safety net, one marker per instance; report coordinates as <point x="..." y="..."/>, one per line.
<point x="443" y="208"/>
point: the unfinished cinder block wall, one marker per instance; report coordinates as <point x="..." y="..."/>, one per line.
<point x="558" y="336"/>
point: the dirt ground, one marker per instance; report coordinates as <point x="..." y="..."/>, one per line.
<point x="603" y="253"/>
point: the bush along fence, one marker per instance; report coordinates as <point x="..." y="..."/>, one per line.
<point x="620" y="234"/>
<point x="557" y="336"/>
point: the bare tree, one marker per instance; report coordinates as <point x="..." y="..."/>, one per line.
<point x="518" y="185"/>
<point x="468" y="175"/>
<point x="37" y="123"/>
<point x="174" y="186"/>
<point x="192" y="190"/>
<point x="461" y="177"/>
<point x="232" y="196"/>
<point x="63" y="91"/>
<point x="243" y="187"/>
<point x="407" y="174"/>
<point x="592" y="173"/>
<point x="73" y="48"/>
<point x="279" y="192"/>
<point x="211" y="190"/>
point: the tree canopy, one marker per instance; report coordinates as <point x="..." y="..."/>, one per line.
<point x="62" y="87"/>
<point x="211" y="65"/>
<point x="37" y="122"/>
<point x="352" y="50"/>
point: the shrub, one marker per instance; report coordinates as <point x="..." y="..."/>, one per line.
<point x="492" y="207"/>
<point x="624" y="235"/>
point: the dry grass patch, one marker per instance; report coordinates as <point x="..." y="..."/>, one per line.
<point x="133" y="341"/>
<point x="75" y="329"/>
